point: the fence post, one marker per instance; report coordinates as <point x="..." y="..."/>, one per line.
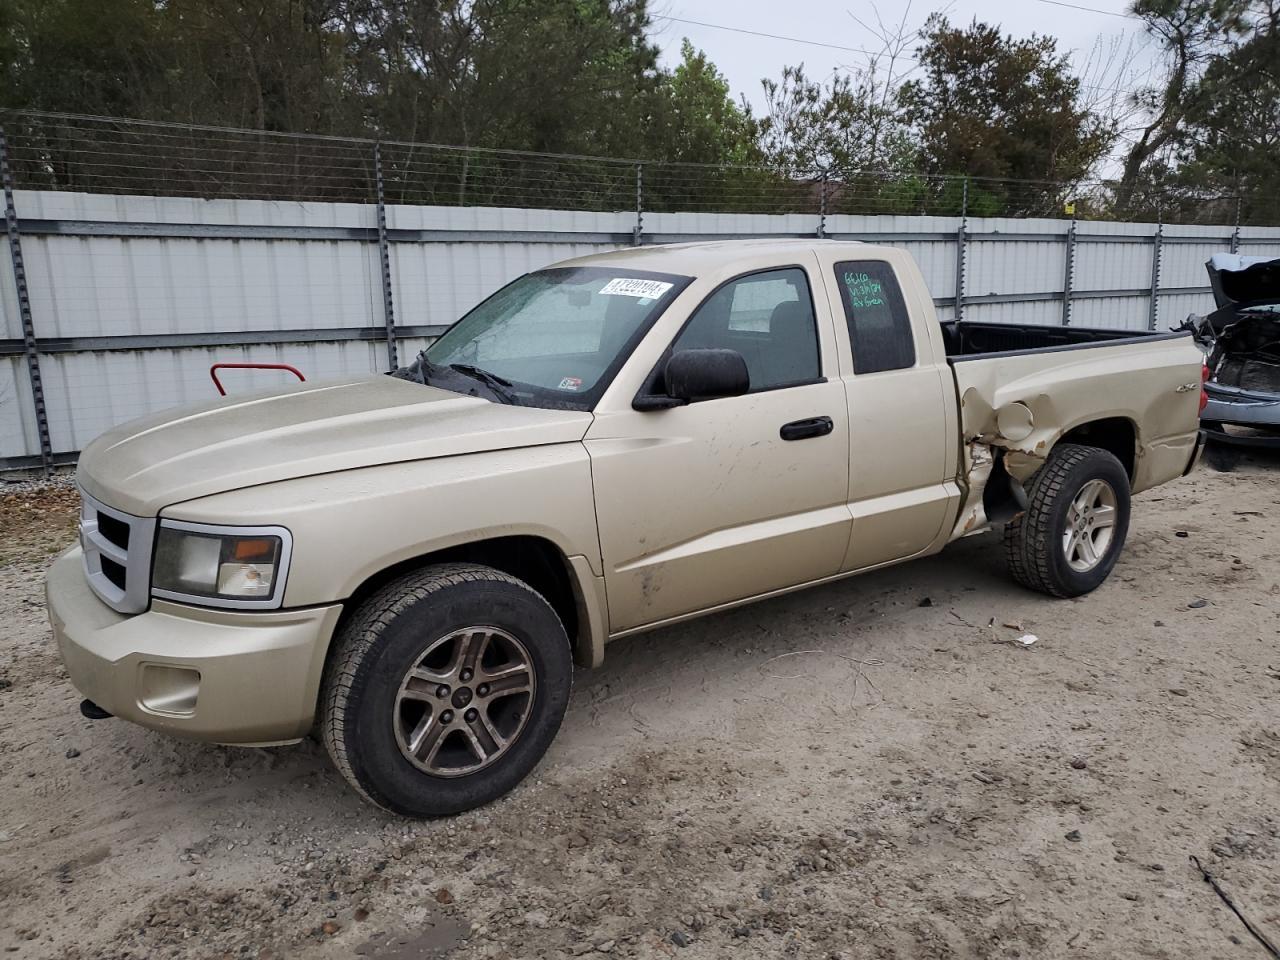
<point x="29" y="345"/>
<point x="637" y="234"/>
<point x="822" y="205"/>
<point x="384" y="254"/>
<point x="1069" y="274"/>
<point x="961" y="234"/>
<point x="1157" y="243"/>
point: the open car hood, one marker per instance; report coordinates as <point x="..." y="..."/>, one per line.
<point x="1238" y="280"/>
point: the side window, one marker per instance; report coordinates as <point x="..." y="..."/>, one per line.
<point x="768" y="318"/>
<point x="879" y="326"/>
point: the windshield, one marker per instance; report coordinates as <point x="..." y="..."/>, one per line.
<point x="555" y="337"/>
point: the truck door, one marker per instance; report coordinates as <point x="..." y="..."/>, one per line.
<point x="901" y="415"/>
<point x="731" y="498"/>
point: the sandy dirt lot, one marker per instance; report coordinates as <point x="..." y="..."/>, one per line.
<point x="871" y="769"/>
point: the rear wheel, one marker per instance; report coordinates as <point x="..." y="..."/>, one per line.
<point x="446" y="688"/>
<point x="1070" y="536"/>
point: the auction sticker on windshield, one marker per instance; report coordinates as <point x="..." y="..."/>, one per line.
<point x="635" y="287"/>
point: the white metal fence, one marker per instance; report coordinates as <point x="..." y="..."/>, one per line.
<point x="131" y="298"/>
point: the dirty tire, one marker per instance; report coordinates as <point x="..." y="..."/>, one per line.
<point x="1033" y="540"/>
<point x="387" y="635"/>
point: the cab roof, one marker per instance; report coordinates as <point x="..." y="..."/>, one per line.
<point x="712" y="256"/>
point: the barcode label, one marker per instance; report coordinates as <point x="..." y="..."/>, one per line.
<point x="634" y="287"/>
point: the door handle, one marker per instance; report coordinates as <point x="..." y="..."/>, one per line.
<point x="800" y="429"/>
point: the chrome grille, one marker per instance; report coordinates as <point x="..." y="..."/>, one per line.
<point x="117" y="554"/>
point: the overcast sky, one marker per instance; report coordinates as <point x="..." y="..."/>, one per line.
<point x="744" y="60"/>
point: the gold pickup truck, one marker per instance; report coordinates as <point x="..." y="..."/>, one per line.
<point x="412" y="564"/>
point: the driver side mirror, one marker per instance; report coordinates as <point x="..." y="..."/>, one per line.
<point x="705" y="374"/>
<point x="701" y="374"/>
<point x="698" y="374"/>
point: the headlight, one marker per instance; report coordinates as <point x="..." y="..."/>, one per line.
<point x="239" y="567"/>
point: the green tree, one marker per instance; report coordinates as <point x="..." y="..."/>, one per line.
<point x="551" y="76"/>
<point x="695" y="120"/>
<point x="1001" y="109"/>
<point x="1229" y="142"/>
<point x="546" y="75"/>
<point x="106" y="57"/>
<point x="705" y="142"/>
<point x="265" y="65"/>
<point x="849" y="125"/>
<point x="1191" y="34"/>
<point x="564" y="76"/>
<point x="271" y="65"/>
<point x="848" y="132"/>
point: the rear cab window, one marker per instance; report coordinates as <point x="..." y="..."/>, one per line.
<point x="880" y="333"/>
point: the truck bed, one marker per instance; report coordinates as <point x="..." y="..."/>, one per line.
<point x="968" y="341"/>
<point x="1020" y="388"/>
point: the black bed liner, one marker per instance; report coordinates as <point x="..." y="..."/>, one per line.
<point x="967" y="340"/>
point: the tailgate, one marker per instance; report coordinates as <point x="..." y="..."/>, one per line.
<point x="1023" y="402"/>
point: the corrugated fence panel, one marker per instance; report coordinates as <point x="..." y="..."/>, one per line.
<point x="991" y="267"/>
<point x="84" y="399"/>
<point x="1262" y="242"/>
<point x="433" y="284"/>
<point x="107" y="285"/>
<point x="102" y="266"/>
<point x="1175" y="308"/>
<point x="10" y="320"/>
<point x="104" y="285"/>
<point x="1183" y="257"/>
<point x="18" y="436"/>
<point x="729" y="224"/>
<point x="1182" y="265"/>
<point x="1043" y="312"/>
<point x="937" y="261"/>
<point x="1115" y="265"/>
<point x="1110" y="313"/>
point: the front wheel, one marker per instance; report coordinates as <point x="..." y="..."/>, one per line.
<point x="446" y="688"/>
<point x="1070" y="536"/>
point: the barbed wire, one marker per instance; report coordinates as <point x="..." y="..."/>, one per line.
<point x="73" y="152"/>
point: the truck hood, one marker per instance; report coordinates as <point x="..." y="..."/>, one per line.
<point x="321" y="427"/>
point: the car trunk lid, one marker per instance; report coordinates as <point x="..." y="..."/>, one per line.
<point x="1238" y="280"/>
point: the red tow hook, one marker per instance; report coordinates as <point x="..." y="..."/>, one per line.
<point x="213" y="371"/>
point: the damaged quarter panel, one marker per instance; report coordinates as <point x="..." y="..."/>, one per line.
<point x="1023" y="404"/>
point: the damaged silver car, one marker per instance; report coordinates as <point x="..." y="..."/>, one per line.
<point x="1241" y="340"/>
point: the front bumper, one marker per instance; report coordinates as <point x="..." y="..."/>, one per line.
<point x="231" y="677"/>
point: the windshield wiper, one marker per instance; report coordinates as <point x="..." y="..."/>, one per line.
<point x="499" y="385"/>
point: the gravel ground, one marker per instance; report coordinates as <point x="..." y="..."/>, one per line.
<point x="870" y="769"/>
